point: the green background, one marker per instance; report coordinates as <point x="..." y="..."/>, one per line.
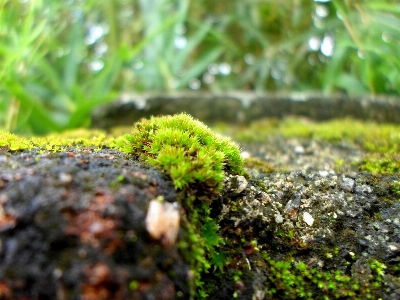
<point x="60" y="59"/>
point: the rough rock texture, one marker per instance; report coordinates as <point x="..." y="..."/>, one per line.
<point x="304" y="153"/>
<point x="326" y="220"/>
<point x="72" y="226"/>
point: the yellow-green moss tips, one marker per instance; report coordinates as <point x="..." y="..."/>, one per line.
<point x="186" y="148"/>
<point x="79" y="138"/>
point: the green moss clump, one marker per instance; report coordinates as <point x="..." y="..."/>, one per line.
<point x="196" y="159"/>
<point x="14" y="143"/>
<point x="187" y="149"/>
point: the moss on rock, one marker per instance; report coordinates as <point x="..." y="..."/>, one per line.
<point x="77" y="139"/>
<point x="196" y="159"/>
<point x="187" y="149"/>
<point x="258" y="242"/>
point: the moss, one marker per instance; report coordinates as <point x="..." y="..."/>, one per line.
<point x="262" y="166"/>
<point x="12" y="142"/>
<point x="256" y="132"/>
<point x="374" y="137"/>
<point x="290" y="279"/>
<point x="395" y="187"/>
<point x="381" y="142"/>
<point x="187" y="149"/>
<point x="81" y="138"/>
<point x="196" y="159"/>
<point x="377" y="163"/>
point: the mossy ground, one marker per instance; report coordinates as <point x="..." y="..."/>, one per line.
<point x="192" y="155"/>
<point x="295" y="280"/>
<point x="381" y="142"/>
<point x="80" y="138"/>
<point x="380" y="147"/>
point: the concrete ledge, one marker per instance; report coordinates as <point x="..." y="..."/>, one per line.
<point x="242" y="107"/>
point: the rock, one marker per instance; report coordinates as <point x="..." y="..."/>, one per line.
<point x="235" y="184"/>
<point x="162" y="221"/>
<point x="361" y="270"/>
<point x="347" y="184"/>
<point x="278" y="218"/>
<point x="292" y="207"/>
<point x="87" y="225"/>
<point x="244" y="106"/>
<point x="308" y="218"/>
<point x="78" y="228"/>
<point x="340" y="229"/>
<point x="65" y="178"/>
<point x="241" y="184"/>
<point x="299" y="149"/>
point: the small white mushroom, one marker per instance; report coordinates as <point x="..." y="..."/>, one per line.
<point x="162" y="222"/>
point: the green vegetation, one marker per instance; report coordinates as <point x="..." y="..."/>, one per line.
<point x="196" y="159"/>
<point x="295" y="280"/>
<point x="187" y="149"/>
<point x="81" y="138"/>
<point x="59" y="60"/>
<point x="253" y="163"/>
<point x="381" y="163"/>
<point x="380" y="141"/>
<point x="372" y="136"/>
<point x="201" y="246"/>
<point x="395" y="187"/>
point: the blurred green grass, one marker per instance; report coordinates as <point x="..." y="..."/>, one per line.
<point x="60" y="59"/>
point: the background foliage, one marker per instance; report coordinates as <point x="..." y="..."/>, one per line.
<point x="60" y="59"/>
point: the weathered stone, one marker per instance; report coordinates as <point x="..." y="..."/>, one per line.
<point x="75" y="229"/>
<point x="245" y="106"/>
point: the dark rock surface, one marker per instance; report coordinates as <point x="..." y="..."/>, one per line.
<point x="72" y="226"/>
